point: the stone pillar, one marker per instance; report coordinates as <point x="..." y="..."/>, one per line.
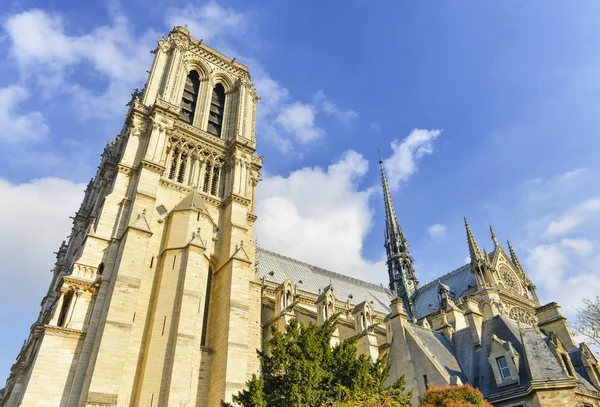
<point x="474" y="320"/>
<point x="399" y="353"/>
<point x="367" y="345"/>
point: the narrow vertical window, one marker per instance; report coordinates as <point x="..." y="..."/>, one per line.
<point x="190" y="97"/>
<point x="206" y="177"/>
<point x="182" y="165"/>
<point x="425" y="381"/>
<point x="62" y="318"/>
<point x="503" y="366"/>
<point x="217" y="106"/>
<point x="206" y="304"/>
<point x="215" y="181"/>
<point x="173" y="164"/>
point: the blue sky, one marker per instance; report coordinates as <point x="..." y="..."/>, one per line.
<point x="488" y="110"/>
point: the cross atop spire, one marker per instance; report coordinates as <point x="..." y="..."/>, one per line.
<point x="403" y="280"/>
<point x="474" y="251"/>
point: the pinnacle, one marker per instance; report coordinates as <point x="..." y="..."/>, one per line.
<point x="474" y="251"/>
<point x="494" y="239"/>
<point x="513" y="255"/>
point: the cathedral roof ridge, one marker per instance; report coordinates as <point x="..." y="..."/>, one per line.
<point x="438" y="280"/>
<point x="329" y="272"/>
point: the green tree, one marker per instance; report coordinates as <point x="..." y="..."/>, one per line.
<point x="453" y="396"/>
<point x="301" y="369"/>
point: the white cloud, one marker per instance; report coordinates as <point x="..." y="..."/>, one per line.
<point x="437" y="231"/>
<point x="15" y="126"/>
<point x="562" y="237"/>
<point x="328" y="231"/>
<point x="208" y="21"/>
<point x="299" y="119"/>
<point x="331" y="109"/>
<point x="547" y="264"/>
<point x="34" y="219"/>
<point x="375" y="127"/>
<point x="581" y="246"/>
<point x="46" y="53"/>
<point x="403" y="162"/>
<point x="573" y="218"/>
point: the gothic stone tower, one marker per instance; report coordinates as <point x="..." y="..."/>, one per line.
<point x="154" y="299"/>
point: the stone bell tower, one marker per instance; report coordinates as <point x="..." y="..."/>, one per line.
<point x="154" y="299"/>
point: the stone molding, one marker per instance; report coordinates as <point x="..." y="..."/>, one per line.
<point x="63" y="332"/>
<point x="84" y="285"/>
<point x="154" y="167"/>
<point x="236" y="198"/>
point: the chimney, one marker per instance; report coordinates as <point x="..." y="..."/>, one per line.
<point x="474" y="320"/>
<point x="551" y="319"/>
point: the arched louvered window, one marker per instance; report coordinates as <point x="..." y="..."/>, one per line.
<point x="217" y="106"/>
<point x="190" y="97"/>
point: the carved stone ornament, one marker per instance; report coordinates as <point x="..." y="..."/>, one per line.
<point x="521" y="315"/>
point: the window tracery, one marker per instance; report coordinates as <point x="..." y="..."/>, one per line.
<point x="193" y="164"/>
<point x="510" y="281"/>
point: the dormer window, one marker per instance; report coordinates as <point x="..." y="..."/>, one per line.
<point x="503" y="366"/>
<point x="504" y="361"/>
<point x="190" y="97"/>
<point x="217" y="107"/>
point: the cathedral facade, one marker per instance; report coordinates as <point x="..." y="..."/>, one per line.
<point x="160" y="297"/>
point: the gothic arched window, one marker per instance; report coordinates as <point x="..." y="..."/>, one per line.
<point x="190" y="97"/>
<point x="217" y="107"/>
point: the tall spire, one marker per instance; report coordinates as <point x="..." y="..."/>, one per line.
<point x="403" y="280"/>
<point x="474" y="251"/>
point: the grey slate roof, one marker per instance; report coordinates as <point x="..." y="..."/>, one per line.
<point x="526" y="341"/>
<point x="439" y="347"/>
<point x="458" y="281"/>
<point x="582" y="374"/>
<point x="311" y="279"/>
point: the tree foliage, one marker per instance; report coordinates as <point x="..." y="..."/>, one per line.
<point x="302" y="369"/>
<point x="453" y="396"/>
<point x="588" y="320"/>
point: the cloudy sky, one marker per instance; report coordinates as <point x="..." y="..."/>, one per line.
<point x="488" y="110"/>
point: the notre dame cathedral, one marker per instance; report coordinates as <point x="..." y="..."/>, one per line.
<point x="160" y="298"/>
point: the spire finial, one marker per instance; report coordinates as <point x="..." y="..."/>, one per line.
<point x="474" y="251"/>
<point x="494" y="239"/>
<point x="379" y="155"/>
